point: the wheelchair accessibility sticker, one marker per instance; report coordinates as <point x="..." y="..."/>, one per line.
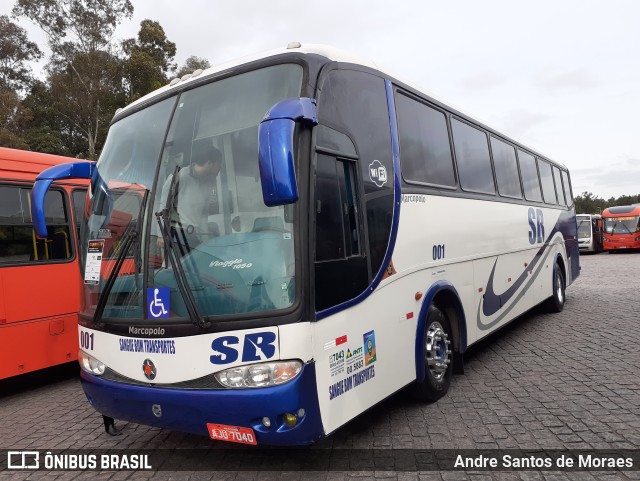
<point x="158" y="299"/>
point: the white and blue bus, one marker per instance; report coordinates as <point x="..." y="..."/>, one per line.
<point x="359" y="236"/>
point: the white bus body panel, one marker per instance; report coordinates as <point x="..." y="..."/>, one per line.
<point x="472" y="247"/>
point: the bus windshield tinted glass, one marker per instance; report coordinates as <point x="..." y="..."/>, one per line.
<point x="235" y="254"/>
<point x="621" y="225"/>
<point x="125" y="173"/>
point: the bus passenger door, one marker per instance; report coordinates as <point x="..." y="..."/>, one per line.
<point x="341" y="271"/>
<point x="360" y="344"/>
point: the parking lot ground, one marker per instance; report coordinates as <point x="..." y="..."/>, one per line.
<point x="547" y="381"/>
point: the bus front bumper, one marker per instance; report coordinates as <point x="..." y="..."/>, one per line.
<point x="190" y="410"/>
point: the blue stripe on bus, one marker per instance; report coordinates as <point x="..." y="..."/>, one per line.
<point x="190" y="410"/>
<point x="493" y="302"/>
<point x="395" y="148"/>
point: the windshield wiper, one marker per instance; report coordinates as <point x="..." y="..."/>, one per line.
<point x="620" y="224"/>
<point x="127" y="239"/>
<point x="164" y="221"/>
<point x="131" y="234"/>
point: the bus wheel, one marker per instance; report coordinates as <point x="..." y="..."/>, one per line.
<point x="556" y="301"/>
<point x="437" y="357"/>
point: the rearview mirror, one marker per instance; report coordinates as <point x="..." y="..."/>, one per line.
<point x="275" y="151"/>
<point x="72" y="170"/>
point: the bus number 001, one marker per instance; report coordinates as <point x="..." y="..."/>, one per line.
<point x="86" y="340"/>
<point x="438" y="252"/>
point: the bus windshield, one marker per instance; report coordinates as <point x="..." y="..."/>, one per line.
<point x="621" y="225"/>
<point x="584" y="227"/>
<point x="182" y="180"/>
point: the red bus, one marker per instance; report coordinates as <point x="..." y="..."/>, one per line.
<point x="621" y="228"/>
<point x="39" y="278"/>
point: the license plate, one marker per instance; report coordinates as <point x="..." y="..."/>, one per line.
<point x="232" y="434"/>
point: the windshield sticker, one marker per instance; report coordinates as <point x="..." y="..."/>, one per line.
<point x="104" y="233"/>
<point x="149" y="346"/>
<point x="94" y="262"/>
<point x="377" y="173"/>
<point x="159" y="299"/>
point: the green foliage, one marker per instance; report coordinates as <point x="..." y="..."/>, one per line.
<point x="588" y="203"/>
<point x="15" y="52"/>
<point x="192" y="64"/>
<point x="85" y="75"/>
<point x="149" y="58"/>
<point x="84" y="25"/>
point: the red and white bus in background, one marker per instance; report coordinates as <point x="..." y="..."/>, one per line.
<point x="621" y="228"/>
<point x="39" y="278"/>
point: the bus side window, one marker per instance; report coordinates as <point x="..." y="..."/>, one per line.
<point x="529" y="174"/>
<point x="18" y="242"/>
<point x="472" y="156"/>
<point x="567" y="188"/>
<point x="78" y="201"/>
<point x="548" y="189"/>
<point x="559" y="189"/>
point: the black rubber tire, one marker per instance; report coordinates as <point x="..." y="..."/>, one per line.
<point x="432" y="388"/>
<point x="556" y="302"/>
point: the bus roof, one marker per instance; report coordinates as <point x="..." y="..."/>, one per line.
<point x="25" y="165"/>
<point x="622" y="210"/>
<point x="331" y="53"/>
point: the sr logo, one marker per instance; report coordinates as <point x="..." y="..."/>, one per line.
<point x="258" y="346"/>
<point x="536" y="226"/>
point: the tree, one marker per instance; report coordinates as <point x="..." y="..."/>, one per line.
<point x="84" y="75"/>
<point x="15" y="52"/>
<point x="192" y="64"/>
<point x="149" y="60"/>
<point x="13" y="117"/>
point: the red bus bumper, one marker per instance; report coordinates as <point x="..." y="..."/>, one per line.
<point x="614" y="243"/>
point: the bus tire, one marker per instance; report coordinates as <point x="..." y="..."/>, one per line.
<point x="556" y="302"/>
<point x="437" y="357"/>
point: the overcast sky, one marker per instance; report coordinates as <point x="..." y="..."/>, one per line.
<point x="562" y="76"/>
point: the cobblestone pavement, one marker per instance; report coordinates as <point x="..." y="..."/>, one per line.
<point x="563" y="381"/>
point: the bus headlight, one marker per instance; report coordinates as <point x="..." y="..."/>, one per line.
<point x="606" y="239"/>
<point x="260" y="375"/>
<point x="638" y="238"/>
<point x="90" y="364"/>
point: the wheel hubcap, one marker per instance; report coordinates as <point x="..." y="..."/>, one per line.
<point x="559" y="288"/>
<point x="437" y="350"/>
